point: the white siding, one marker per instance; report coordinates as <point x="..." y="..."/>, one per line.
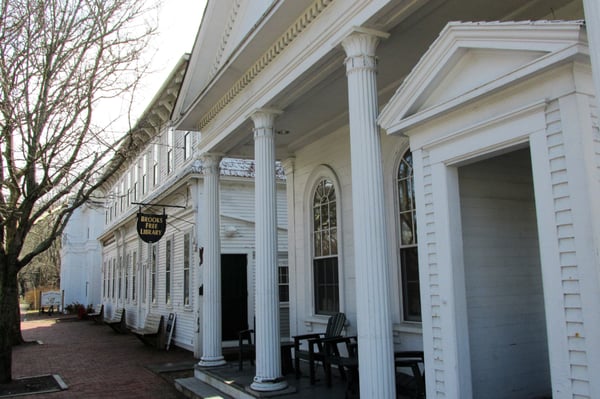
<point x="505" y="303"/>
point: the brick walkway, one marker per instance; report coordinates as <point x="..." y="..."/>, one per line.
<point x="93" y="361"/>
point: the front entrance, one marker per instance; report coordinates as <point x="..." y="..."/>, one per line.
<point x="234" y="295"/>
<point x="503" y="279"/>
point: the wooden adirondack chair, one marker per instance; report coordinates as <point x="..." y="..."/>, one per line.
<point x="315" y="351"/>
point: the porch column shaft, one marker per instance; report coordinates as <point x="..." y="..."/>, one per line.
<point x="592" y="25"/>
<point x="377" y="377"/>
<point x="211" y="321"/>
<point x="268" y="357"/>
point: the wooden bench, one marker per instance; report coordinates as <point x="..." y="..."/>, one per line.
<point x="117" y="322"/>
<point x="97" y="315"/>
<point x="153" y="332"/>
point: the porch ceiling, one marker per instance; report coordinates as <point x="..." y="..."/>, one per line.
<point x="316" y="103"/>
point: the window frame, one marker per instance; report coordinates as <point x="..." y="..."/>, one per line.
<point x="134" y="272"/>
<point x="321" y="173"/>
<point x="409" y="286"/>
<point x="155" y="164"/>
<point x="187" y="145"/>
<point x="187" y="261"/>
<point x="169" y="271"/>
<point x="170" y="152"/>
<point x="153" y="273"/>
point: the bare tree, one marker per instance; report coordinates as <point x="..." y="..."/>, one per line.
<point x="44" y="269"/>
<point x="58" y="60"/>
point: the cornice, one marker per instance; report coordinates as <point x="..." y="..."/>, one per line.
<point x="301" y="23"/>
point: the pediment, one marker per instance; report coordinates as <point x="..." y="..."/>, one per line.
<point x="471" y="60"/>
<point x="225" y="24"/>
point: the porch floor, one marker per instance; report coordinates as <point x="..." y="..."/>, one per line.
<point x="229" y="382"/>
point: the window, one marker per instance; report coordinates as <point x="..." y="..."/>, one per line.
<point x="409" y="261"/>
<point x="187" y="145"/>
<point x="153" y="259"/>
<point x="122" y="195"/>
<point x="144" y="271"/>
<point x="114" y="277"/>
<point x="129" y="188"/>
<point x="136" y="178"/>
<point x="284" y="283"/>
<point x="120" y="269"/>
<point x="170" y="160"/>
<point x="325" y="259"/>
<point x="145" y="173"/>
<point x="186" y="269"/>
<point x="155" y="165"/>
<point x="133" y="276"/>
<point x="168" y="261"/>
<point x="104" y="272"/>
<point x="127" y="267"/>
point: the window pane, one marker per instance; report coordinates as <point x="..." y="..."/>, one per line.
<point x="406" y="229"/>
<point x="333" y="214"/>
<point x="326" y="285"/>
<point x="410" y="284"/>
<point x="325" y="243"/>
<point x="333" y="242"/>
<point x="318" y="251"/>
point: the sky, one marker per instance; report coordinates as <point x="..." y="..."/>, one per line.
<point x="179" y="21"/>
<point x="178" y="24"/>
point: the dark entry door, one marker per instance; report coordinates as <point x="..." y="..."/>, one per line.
<point x="234" y="295"/>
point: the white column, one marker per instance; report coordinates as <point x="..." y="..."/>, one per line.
<point x="211" y="323"/>
<point x="592" y="24"/>
<point x="268" y="356"/>
<point x="374" y="323"/>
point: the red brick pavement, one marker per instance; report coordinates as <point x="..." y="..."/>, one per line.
<point x="93" y="361"/>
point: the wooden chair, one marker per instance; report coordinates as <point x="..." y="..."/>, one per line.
<point x="349" y="363"/>
<point x="117" y="322"/>
<point x="413" y="384"/>
<point x="153" y="332"/>
<point x="98" y="315"/>
<point x="315" y="351"/>
<point x="246" y="347"/>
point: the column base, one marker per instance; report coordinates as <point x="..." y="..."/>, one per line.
<point x="265" y="384"/>
<point x="212" y="362"/>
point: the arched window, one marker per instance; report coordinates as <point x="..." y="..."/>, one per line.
<point x="409" y="259"/>
<point x="325" y="249"/>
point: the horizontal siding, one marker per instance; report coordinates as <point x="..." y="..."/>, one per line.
<point x="505" y="304"/>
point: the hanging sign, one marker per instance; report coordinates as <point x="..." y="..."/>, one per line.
<point x="151" y="228"/>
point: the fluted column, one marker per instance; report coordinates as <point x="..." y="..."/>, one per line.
<point x="374" y="323"/>
<point x="211" y="319"/>
<point x="268" y="356"/>
<point x="592" y="24"/>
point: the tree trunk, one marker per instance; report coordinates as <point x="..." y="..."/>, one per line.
<point x="9" y="305"/>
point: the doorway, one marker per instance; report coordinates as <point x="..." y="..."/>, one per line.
<point x="234" y="295"/>
<point x="503" y="279"/>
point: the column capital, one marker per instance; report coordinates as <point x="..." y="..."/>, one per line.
<point x="264" y="118"/>
<point x="210" y="163"/>
<point x="362" y="41"/>
<point x="360" y="47"/>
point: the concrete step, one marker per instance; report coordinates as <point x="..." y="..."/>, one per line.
<point x="193" y="388"/>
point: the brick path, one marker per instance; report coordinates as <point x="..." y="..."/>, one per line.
<point x="93" y="361"/>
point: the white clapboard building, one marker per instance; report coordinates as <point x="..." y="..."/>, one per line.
<point x="81" y="255"/>
<point x="164" y="174"/>
<point x="442" y="182"/>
